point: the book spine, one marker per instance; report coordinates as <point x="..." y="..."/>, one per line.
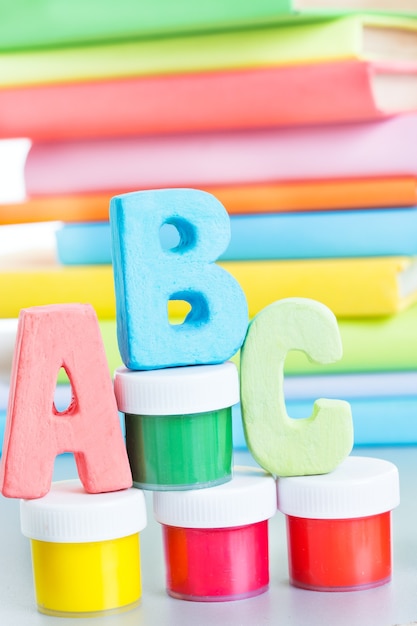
<point x="314" y="93"/>
<point x="128" y="19"/>
<point x="360" y="193"/>
<point x="319" y="234"/>
<point x="349" y="287"/>
<point x="209" y="159"/>
<point x="256" y="47"/>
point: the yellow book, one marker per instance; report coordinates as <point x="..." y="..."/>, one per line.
<point x="350" y="287"/>
<point x="356" y="287"/>
<point x="356" y="36"/>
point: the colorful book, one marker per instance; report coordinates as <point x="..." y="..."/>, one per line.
<point x="371" y="346"/>
<point x="314" y="234"/>
<point x="368" y="149"/>
<point x="384" y="404"/>
<point x="388" y="418"/>
<point x="357" y="36"/>
<point x="349" y="287"/>
<point x="379" y="344"/>
<point x="377" y="359"/>
<point x="344" y="6"/>
<point x="355" y="193"/>
<point x="28" y="24"/>
<point x="317" y="93"/>
<point x="354" y="385"/>
<point x="376" y="421"/>
<point x="47" y="23"/>
<point x="383" y="344"/>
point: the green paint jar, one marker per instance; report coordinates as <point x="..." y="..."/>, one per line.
<point x="178" y="424"/>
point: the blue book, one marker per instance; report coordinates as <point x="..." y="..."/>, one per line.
<point x="383" y="413"/>
<point x="376" y="421"/>
<point x="303" y="235"/>
<point x="384" y="404"/>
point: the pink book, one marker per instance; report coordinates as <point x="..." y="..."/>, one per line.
<point x="371" y="149"/>
<point x="223" y="100"/>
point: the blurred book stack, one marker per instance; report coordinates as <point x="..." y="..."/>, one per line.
<point x="300" y="118"/>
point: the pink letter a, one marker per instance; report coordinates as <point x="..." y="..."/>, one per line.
<point x="50" y="338"/>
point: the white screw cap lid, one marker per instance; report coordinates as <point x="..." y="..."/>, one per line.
<point x="358" y="487"/>
<point x="177" y="390"/>
<point x="248" y="498"/>
<point x="68" y="514"/>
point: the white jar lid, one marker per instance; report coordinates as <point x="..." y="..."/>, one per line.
<point x="177" y="390"/>
<point x="358" y="487"/>
<point x="68" y="514"/>
<point x="248" y="498"/>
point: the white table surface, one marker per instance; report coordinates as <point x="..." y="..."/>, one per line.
<point x="283" y="605"/>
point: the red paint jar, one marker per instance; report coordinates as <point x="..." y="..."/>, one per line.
<point x="216" y="539"/>
<point x="339" y="525"/>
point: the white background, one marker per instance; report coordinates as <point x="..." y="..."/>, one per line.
<point x="16" y="239"/>
<point x="12" y="157"/>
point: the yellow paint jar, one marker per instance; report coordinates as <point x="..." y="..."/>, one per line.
<point x="85" y="549"/>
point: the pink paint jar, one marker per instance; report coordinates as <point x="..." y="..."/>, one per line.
<point x="216" y="539"/>
<point x="339" y="525"/>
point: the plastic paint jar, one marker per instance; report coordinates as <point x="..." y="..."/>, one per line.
<point x="85" y="549"/>
<point x="216" y="539"/>
<point x="339" y="525"/>
<point x="178" y="424"/>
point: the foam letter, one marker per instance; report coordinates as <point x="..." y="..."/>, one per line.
<point x="280" y="444"/>
<point x="50" y="338"/>
<point x="147" y="276"/>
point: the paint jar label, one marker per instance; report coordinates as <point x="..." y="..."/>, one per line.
<point x="216" y="564"/>
<point x="339" y="554"/>
<point x="180" y="451"/>
<point x="87" y="579"/>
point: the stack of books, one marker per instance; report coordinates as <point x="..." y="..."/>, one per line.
<point x="300" y="118"/>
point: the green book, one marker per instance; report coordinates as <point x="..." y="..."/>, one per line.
<point x="26" y="24"/>
<point x="368" y="37"/>
<point x="380" y="344"/>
